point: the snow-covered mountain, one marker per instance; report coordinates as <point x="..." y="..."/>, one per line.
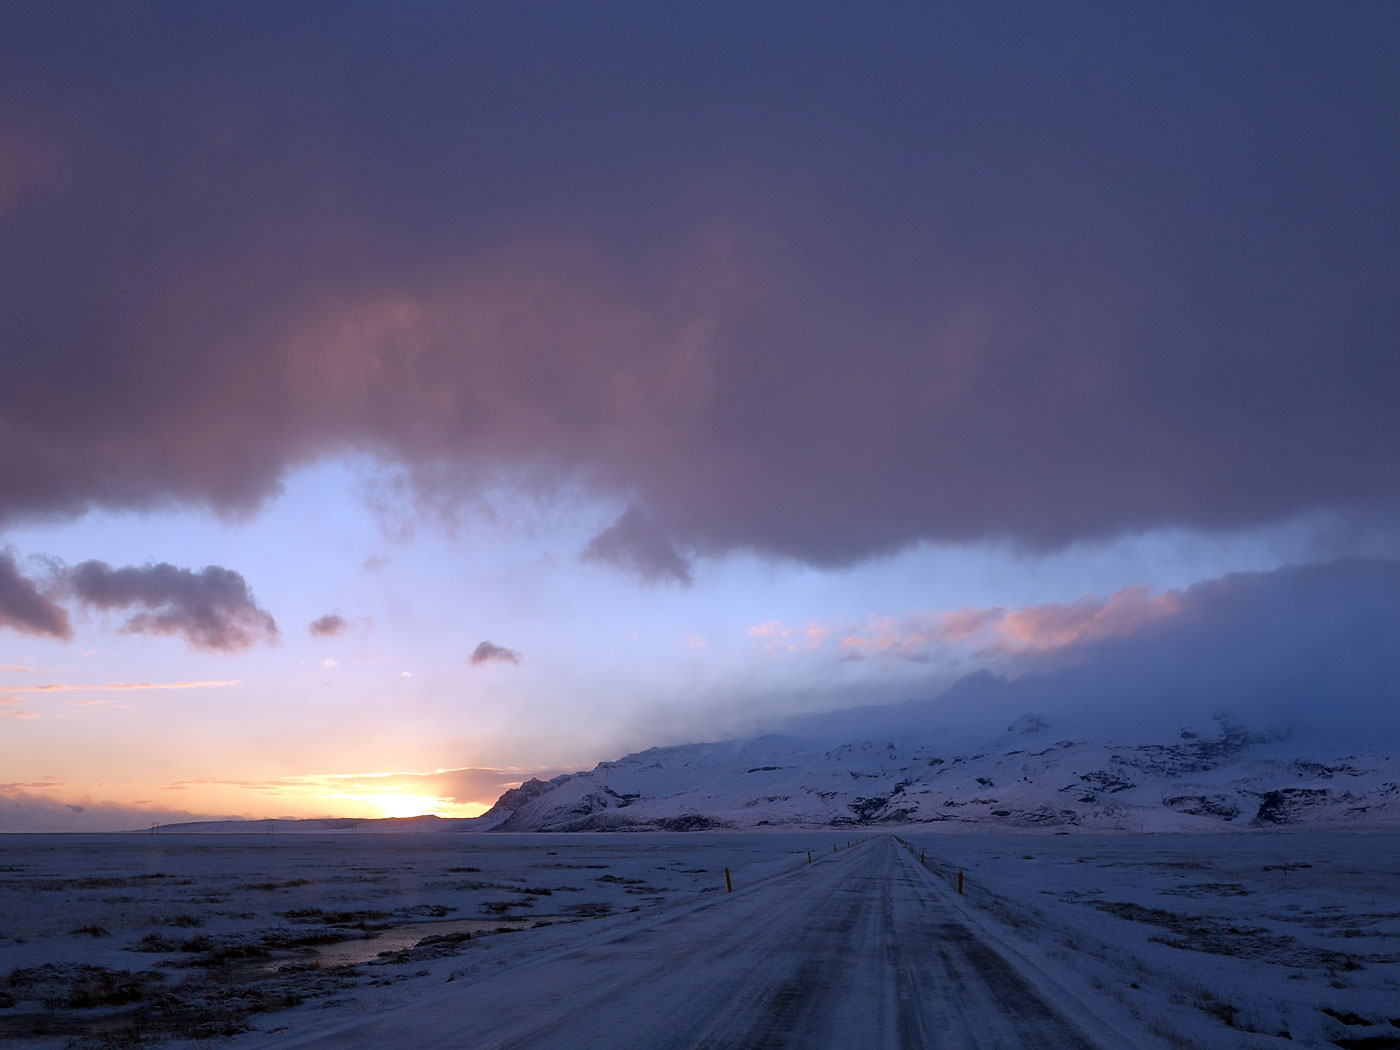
<point x="1029" y="777"/>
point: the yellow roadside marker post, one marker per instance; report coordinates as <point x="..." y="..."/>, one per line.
<point x="959" y="882"/>
<point x="729" y="886"/>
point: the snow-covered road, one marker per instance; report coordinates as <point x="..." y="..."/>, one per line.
<point x="862" y="948"/>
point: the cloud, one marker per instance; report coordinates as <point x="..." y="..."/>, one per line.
<point x="813" y="310"/>
<point x="117" y="687"/>
<point x="32" y="808"/>
<point x="490" y="652"/>
<point x="328" y="626"/>
<point x="636" y="544"/>
<point x="24" y="608"/>
<point x="1311" y="647"/>
<point x="211" y="609"/>
<point x="999" y="629"/>
<point x="776" y="636"/>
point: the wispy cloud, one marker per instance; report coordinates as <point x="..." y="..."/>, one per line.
<point x="115" y="687"/>
<point x="776" y="636"/>
<point x="999" y="629"/>
<point x="986" y="630"/>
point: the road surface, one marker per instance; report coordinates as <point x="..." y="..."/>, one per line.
<point x="858" y="950"/>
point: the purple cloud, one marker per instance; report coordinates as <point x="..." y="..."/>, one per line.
<point x="328" y="626"/>
<point x="490" y="652"/>
<point x="211" y="609"/>
<point x="23" y="607"/>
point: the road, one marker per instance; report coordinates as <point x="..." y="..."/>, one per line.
<point x="858" y="950"/>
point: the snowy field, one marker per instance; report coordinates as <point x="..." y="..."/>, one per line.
<point x="255" y="940"/>
<point x="1259" y="940"/>
<point x="118" y="937"/>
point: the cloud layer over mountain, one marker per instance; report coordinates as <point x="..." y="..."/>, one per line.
<point x="1307" y="649"/>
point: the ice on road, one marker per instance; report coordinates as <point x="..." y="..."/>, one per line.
<point x="860" y="949"/>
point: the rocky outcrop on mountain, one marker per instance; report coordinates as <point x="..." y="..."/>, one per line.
<point x="515" y="799"/>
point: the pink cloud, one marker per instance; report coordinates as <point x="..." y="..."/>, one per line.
<point x="776" y="636"/>
<point x="1122" y="613"/>
<point x="116" y="687"/>
<point x="1031" y="628"/>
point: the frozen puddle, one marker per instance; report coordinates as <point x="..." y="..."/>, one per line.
<point x="410" y="935"/>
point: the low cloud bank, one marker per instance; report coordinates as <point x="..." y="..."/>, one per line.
<point x="24" y="810"/>
<point x="1310" y="648"/>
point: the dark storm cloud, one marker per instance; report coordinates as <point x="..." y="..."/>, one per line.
<point x="23" y="607"/>
<point x="211" y="609"/>
<point x="806" y="280"/>
<point x="490" y="652"/>
<point x="328" y="626"/>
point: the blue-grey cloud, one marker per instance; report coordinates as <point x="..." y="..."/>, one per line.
<point x="23" y="607"/>
<point x="328" y="626"/>
<point x="489" y="652"/>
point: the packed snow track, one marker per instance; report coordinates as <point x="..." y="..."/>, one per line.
<point x="862" y="948"/>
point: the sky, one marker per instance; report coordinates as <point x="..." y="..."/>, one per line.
<point x="398" y="401"/>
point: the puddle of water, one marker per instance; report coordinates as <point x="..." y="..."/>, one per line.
<point x="407" y="935"/>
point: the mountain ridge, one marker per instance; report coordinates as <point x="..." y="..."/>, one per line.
<point x="1028" y="778"/>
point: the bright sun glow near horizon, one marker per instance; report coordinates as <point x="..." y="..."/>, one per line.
<point x="395" y="805"/>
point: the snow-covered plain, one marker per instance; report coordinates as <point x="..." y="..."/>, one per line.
<point x="1276" y="939"/>
<point x="201" y="935"/>
<point x="276" y="940"/>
